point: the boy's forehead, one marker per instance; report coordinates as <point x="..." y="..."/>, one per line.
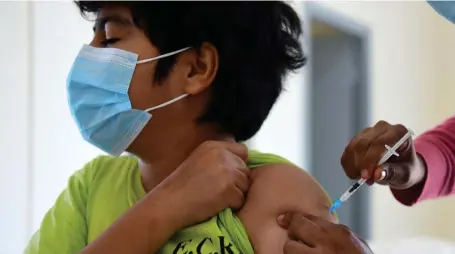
<point x="115" y="14"/>
<point x="113" y="10"/>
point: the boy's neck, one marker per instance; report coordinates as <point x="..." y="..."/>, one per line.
<point x="173" y="147"/>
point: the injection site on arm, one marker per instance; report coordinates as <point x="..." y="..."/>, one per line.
<point x="278" y="189"/>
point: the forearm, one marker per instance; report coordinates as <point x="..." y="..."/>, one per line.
<point x="438" y="153"/>
<point x="141" y="230"/>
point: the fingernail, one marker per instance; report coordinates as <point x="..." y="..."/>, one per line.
<point x="281" y="219"/>
<point x="364" y="174"/>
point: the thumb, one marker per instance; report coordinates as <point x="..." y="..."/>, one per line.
<point x="395" y="175"/>
<point x="384" y="174"/>
<point x="284" y="220"/>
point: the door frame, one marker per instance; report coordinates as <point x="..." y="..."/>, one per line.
<point x="314" y="11"/>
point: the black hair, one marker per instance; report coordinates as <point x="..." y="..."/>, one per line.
<point x="257" y="42"/>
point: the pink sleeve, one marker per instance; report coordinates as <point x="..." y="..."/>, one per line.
<point x="437" y="147"/>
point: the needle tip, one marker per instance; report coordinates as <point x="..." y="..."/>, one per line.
<point x="335" y="205"/>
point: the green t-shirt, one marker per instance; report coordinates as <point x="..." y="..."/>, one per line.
<point x="105" y="188"/>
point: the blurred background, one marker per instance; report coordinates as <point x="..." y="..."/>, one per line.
<point x="368" y="61"/>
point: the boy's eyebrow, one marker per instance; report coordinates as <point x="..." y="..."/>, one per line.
<point x="114" y="18"/>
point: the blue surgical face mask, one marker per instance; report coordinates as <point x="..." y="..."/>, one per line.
<point x="97" y="87"/>
<point x="445" y="9"/>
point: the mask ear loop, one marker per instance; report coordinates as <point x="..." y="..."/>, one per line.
<point x="167" y="103"/>
<point x="159" y="57"/>
<point x="162" y="56"/>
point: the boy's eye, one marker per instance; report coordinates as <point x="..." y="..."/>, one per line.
<point x="109" y="42"/>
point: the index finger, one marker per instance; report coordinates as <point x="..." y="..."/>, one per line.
<point x="238" y="149"/>
<point x="321" y="222"/>
<point x="339" y="230"/>
<point x="353" y="141"/>
<point x="348" y="159"/>
<point x="303" y="229"/>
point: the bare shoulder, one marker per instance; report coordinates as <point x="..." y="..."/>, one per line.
<point x="277" y="189"/>
<point x="283" y="188"/>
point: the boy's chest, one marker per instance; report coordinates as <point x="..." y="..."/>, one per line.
<point x="204" y="238"/>
<point x="199" y="240"/>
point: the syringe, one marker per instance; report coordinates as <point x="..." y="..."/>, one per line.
<point x="390" y="151"/>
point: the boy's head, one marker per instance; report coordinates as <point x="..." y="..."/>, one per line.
<point x="233" y="71"/>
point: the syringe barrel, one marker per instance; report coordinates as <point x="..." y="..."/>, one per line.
<point x="345" y="196"/>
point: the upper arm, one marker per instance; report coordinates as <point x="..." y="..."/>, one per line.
<point x="64" y="228"/>
<point x="277" y="189"/>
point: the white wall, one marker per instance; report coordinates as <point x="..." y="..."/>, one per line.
<point x="40" y="146"/>
<point x="58" y="149"/>
<point x="14" y="134"/>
